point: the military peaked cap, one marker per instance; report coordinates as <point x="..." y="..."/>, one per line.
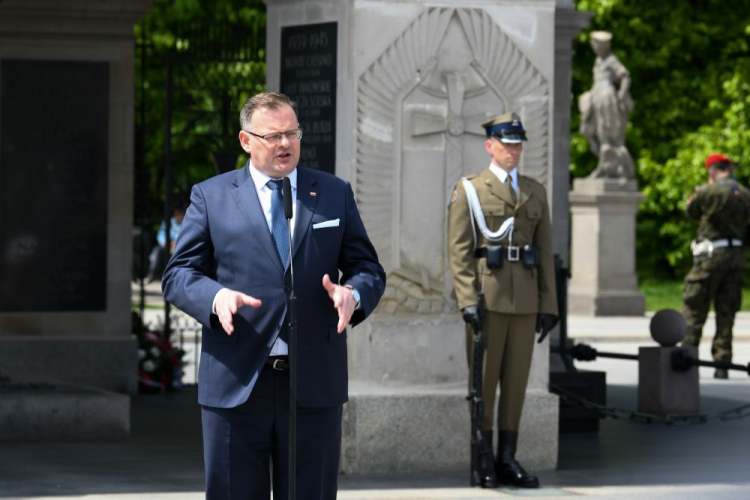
<point x="506" y="127"/>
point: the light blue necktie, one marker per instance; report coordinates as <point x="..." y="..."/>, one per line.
<point x="279" y="225"/>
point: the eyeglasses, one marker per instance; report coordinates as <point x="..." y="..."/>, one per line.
<point x="275" y="138"/>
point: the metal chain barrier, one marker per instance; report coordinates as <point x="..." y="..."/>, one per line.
<point x="649" y="418"/>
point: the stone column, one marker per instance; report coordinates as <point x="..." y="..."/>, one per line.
<point x="413" y="82"/>
<point x="603" y="261"/>
<point x="66" y="122"/>
<point x="568" y="23"/>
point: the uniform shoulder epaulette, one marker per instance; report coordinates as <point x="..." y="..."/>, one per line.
<point x="454" y="194"/>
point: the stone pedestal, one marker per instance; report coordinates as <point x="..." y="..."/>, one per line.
<point x="425" y="428"/>
<point x="67" y="75"/>
<point x="395" y="94"/>
<point x="603" y="248"/>
<point x="663" y="391"/>
<point x="407" y="409"/>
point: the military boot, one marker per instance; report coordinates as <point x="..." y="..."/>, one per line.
<point x="487" y="476"/>
<point x="509" y="471"/>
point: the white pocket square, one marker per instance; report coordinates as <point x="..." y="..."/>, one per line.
<point x="328" y="223"/>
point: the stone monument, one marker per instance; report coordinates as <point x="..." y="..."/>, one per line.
<point x="604" y="205"/>
<point x="66" y="198"/>
<point x="395" y="93"/>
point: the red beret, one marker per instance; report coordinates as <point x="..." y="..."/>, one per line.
<point x="716" y="157"/>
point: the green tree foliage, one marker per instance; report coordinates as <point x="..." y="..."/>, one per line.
<point x="217" y="54"/>
<point x="690" y="67"/>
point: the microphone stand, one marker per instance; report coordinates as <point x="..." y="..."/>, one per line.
<point x="288" y="212"/>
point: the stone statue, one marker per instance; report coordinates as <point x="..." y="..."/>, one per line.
<point x="604" y="112"/>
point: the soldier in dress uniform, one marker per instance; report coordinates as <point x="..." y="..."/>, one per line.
<point x="722" y="209"/>
<point x="500" y="243"/>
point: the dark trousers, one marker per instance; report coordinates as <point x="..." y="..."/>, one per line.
<point x="247" y="447"/>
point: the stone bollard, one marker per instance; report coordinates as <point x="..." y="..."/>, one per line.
<point x="661" y="390"/>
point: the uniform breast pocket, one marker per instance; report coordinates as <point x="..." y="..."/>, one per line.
<point x="534" y="212"/>
<point x="494" y="215"/>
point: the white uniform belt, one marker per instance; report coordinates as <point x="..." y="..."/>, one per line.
<point x="707" y="247"/>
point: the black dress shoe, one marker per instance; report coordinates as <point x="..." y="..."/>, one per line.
<point x="509" y="471"/>
<point x="721" y="373"/>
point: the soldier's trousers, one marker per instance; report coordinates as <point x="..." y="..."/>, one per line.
<point x="509" y="345"/>
<point x="723" y="287"/>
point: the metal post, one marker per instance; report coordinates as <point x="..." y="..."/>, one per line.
<point x="168" y="183"/>
<point x="142" y="185"/>
<point x="562" y="275"/>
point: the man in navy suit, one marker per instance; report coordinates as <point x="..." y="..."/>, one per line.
<point x="230" y="271"/>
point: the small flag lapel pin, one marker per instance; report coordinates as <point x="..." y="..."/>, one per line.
<point x="313" y="193"/>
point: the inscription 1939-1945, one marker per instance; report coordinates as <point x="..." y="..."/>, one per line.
<point x="308" y="76"/>
<point x="53" y="185"/>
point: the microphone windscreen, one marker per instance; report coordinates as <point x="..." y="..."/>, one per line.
<point x="287" y="192"/>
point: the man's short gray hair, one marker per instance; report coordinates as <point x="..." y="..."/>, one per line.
<point x="267" y="100"/>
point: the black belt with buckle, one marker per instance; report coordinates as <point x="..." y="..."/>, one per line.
<point x="528" y="255"/>
<point x="279" y="363"/>
<point x="511" y="254"/>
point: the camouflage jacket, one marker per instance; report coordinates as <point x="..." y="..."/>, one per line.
<point x="722" y="210"/>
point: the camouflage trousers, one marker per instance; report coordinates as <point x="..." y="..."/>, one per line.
<point x="716" y="279"/>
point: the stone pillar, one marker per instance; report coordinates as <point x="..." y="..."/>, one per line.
<point x="413" y="82"/>
<point x="66" y="123"/>
<point x="568" y="23"/>
<point x="603" y="261"/>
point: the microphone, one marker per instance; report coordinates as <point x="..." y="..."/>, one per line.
<point x="286" y="191"/>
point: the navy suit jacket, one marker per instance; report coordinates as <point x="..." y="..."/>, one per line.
<point x="225" y="243"/>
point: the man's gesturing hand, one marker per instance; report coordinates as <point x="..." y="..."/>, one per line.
<point x="342" y="299"/>
<point x="227" y="303"/>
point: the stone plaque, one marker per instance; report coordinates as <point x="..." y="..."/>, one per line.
<point x="53" y="185"/>
<point x="308" y="76"/>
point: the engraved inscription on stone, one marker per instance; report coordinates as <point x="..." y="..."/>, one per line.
<point x="53" y="185"/>
<point x="308" y="76"/>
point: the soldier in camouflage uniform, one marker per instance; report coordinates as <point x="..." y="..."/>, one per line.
<point x="722" y="209"/>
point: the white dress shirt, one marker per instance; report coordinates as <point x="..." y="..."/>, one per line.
<point x="264" y="193"/>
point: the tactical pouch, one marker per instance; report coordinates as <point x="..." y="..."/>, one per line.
<point x="494" y="257"/>
<point x="530" y="256"/>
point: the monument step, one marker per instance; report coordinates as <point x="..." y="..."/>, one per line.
<point x="58" y="411"/>
<point x="410" y="429"/>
